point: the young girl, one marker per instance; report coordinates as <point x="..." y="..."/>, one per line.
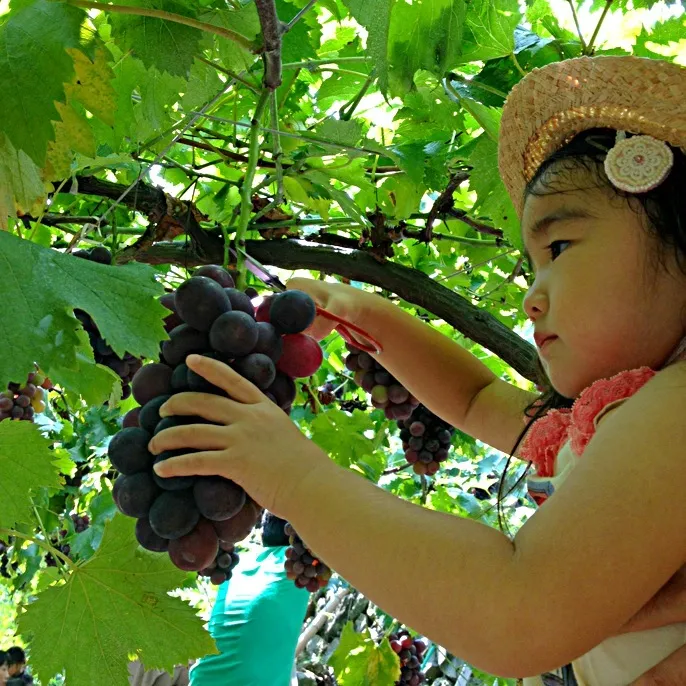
<point x="604" y="226"/>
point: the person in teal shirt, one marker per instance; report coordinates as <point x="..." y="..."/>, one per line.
<point x="256" y="619"/>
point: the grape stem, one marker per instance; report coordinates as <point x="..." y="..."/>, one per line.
<point x="59" y="562"/>
<point x="395" y="470"/>
<point x="41" y="544"/>
<point x="246" y="189"/>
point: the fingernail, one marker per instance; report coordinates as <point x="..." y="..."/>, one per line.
<point x="156" y="470"/>
<point x="151" y="447"/>
<point x="163" y="411"/>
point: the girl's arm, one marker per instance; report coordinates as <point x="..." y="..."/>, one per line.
<point x="668" y="606"/>
<point x="576" y="572"/>
<point x="446" y="378"/>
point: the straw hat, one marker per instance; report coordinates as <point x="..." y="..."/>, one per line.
<point x="552" y="104"/>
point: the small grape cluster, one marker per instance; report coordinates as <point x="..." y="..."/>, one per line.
<point x="326" y="393"/>
<point x="4" y="560"/>
<point x="23" y="402"/>
<point x="387" y="393"/>
<point x="302" y="566"/>
<point x="190" y="517"/>
<point x="80" y="523"/>
<point x="426" y="440"/>
<point x="125" y="367"/>
<point x="409" y="651"/>
<point x="58" y="544"/>
<point x="224" y="563"/>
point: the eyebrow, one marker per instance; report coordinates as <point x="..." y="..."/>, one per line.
<point x="541" y="226"/>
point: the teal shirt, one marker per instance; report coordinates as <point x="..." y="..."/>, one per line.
<point x="256" y="621"/>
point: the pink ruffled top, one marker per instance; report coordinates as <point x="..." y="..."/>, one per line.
<point x="577" y="425"/>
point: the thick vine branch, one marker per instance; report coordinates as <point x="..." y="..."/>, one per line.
<point x="443" y="202"/>
<point x="169" y="16"/>
<point x="411" y="285"/>
<point x="272" y="30"/>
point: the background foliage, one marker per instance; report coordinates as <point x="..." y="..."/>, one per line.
<point x="348" y="138"/>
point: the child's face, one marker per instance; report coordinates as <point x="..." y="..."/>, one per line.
<point x="4" y="674"/>
<point x="596" y="291"/>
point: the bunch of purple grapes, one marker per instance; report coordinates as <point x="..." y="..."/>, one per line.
<point x="409" y="651"/>
<point x="23" y="401"/>
<point x="124" y="367"/>
<point x="387" y="393"/>
<point x="190" y="517"/>
<point x="224" y="563"/>
<point x="426" y="440"/>
<point x="302" y="566"/>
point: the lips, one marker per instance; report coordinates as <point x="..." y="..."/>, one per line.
<point x="541" y="338"/>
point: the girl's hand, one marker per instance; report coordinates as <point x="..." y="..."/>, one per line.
<point x="254" y="443"/>
<point x="344" y="301"/>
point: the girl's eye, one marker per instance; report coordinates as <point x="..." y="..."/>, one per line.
<point x="552" y="248"/>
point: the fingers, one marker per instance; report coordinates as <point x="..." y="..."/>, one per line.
<point x="319" y="290"/>
<point x="198" y="436"/>
<point x="214" y="408"/>
<point x="227" y="379"/>
<point x="206" y="463"/>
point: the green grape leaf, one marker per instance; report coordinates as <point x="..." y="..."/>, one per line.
<point x="489" y="29"/>
<point x="426" y="35"/>
<point x="492" y="199"/>
<point x="358" y="661"/>
<point x="297" y="44"/>
<point x="339" y="88"/>
<point x="37" y="324"/>
<point x="339" y="131"/>
<point x="487" y="117"/>
<point x="204" y="84"/>
<point x="21" y="187"/>
<point x="322" y="184"/>
<point x="664" y="33"/>
<point x="244" y="21"/>
<point x="166" y="45"/>
<point x="358" y="452"/>
<point x="26" y="463"/>
<point x="34" y="66"/>
<point x="113" y="606"/>
<point x="94" y="382"/>
<point x="375" y="16"/>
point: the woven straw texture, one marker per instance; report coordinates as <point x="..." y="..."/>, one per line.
<point x="552" y="104"/>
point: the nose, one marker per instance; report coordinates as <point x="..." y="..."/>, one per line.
<point x="535" y="301"/>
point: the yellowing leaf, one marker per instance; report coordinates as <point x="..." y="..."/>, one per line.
<point x="113" y="606"/>
<point x="26" y="461"/>
<point x="21" y="188"/>
<point x="72" y="134"/>
<point x="92" y="85"/>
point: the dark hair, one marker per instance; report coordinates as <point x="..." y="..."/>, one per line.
<point x="4" y="658"/>
<point x="273" y="533"/>
<point x="665" y="211"/>
<point x="16" y="655"/>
